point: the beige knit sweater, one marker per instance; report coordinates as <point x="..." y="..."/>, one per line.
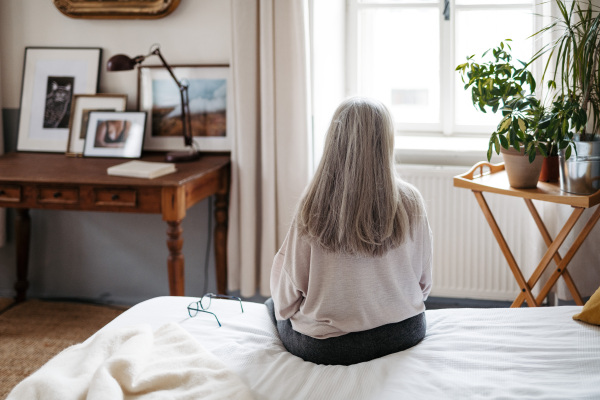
<point x="326" y="294"/>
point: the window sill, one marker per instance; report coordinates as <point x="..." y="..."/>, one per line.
<point x="442" y="150"/>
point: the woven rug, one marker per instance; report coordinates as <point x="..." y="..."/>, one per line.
<point x="33" y="332"/>
<point x="5" y="303"/>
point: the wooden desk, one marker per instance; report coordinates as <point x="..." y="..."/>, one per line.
<point x="53" y="181"/>
<point x="485" y="177"/>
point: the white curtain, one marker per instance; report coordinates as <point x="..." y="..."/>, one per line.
<point x="270" y="154"/>
<point x="2" y="210"/>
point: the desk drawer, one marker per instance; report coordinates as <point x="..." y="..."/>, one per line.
<point x="10" y="193"/>
<point x="115" y="197"/>
<point x="58" y="195"/>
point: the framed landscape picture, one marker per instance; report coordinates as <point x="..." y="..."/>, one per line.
<point x="51" y="77"/>
<point x="209" y="97"/>
<point x="83" y="104"/>
<point x="115" y="134"/>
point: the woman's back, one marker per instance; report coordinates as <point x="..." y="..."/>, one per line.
<point x="344" y="293"/>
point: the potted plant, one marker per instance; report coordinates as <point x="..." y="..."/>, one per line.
<point x="523" y="131"/>
<point x="574" y="55"/>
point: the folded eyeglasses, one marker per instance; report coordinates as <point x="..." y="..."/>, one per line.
<point x="204" y="303"/>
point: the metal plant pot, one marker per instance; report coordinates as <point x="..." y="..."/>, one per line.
<point x="580" y="174"/>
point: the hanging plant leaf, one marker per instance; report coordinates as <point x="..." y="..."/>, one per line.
<point x="568" y="153"/>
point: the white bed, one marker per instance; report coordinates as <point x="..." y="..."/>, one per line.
<point x="525" y="353"/>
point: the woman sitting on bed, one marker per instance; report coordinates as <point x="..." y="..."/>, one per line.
<point x="350" y="280"/>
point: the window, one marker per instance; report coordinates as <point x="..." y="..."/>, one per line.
<point x="404" y="52"/>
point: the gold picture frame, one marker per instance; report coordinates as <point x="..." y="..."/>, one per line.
<point x="111" y="9"/>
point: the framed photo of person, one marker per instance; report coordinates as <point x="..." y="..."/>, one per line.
<point x="83" y="104"/>
<point x="115" y="134"/>
<point x="209" y="92"/>
<point x="51" y="77"/>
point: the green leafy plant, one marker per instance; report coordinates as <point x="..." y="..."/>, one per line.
<point x="496" y="84"/>
<point x="574" y="56"/>
<point x="564" y="117"/>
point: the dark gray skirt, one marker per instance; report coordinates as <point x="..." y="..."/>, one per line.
<point x="354" y="347"/>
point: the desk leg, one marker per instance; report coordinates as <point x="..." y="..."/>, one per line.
<point x="221" y="207"/>
<point x="175" y="261"/>
<point x="23" y="230"/>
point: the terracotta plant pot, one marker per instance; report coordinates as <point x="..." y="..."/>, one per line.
<point x="521" y="173"/>
<point x="550" y="169"/>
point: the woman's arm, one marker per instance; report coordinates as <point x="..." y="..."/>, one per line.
<point x="289" y="271"/>
<point x="426" y="280"/>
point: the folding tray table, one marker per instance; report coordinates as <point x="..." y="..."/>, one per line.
<point x="486" y="177"/>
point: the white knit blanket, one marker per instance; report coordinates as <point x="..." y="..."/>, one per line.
<point x="134" y="363"/>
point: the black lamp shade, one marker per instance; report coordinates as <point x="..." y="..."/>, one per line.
<point x="120" y="62"/>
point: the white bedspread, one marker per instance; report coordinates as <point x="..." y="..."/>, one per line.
<point x="134" y="363"/>
<point x="525" y="353"/>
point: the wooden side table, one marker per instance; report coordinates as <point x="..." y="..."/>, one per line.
<point x="53" y="181"/>
<point x="485" y="177"/>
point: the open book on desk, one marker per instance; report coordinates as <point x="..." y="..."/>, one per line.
<point x="142" y="169"/>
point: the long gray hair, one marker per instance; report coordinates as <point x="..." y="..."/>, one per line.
<point x="355" y="203"/>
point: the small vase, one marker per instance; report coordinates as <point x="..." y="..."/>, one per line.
<point x="521" y="173"/>
<point x="549" y="169"/>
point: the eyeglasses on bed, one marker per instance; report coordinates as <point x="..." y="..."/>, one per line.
<point x="204" y="303"/>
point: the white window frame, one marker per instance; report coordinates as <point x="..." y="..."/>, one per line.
<point x="446" y="128"/>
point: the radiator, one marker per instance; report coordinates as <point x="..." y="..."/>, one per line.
<point x="467" y="261"/>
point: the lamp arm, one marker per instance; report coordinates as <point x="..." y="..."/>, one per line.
<point x="186" y="118"/>
<point x="157" y="52"/>
<point x="186" y="121"/>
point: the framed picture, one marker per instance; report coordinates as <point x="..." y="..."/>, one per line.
<point x="209" y="101"/>
<point x="121" y="9"/>
<point x="51" y="76"/>
<point x="83" y="104"/>
<point x="115" y="134"/>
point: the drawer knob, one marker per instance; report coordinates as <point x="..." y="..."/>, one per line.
<point x="115" y="197"/>
<point x="57" y="195"/>
<point x="2" y="192"/>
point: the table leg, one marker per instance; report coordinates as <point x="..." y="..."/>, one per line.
<point x="221" y="207"/>
<point x="525" y="288"/>
<point x="557" y="258"/>
<point x="552" y="250"/>
<point x="175" y="261"/>
<point x="23" y="231"/>
<point x="561" y="268"/>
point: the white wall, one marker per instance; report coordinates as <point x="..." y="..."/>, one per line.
<point x="118" y="258"/>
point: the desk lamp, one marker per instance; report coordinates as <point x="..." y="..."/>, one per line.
<point x="122" y="62"/>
